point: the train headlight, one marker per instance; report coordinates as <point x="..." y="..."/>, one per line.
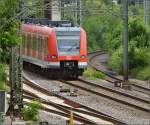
<point x="53" y="57"/>
<point x="83" y="56"/>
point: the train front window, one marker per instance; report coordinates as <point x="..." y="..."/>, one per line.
<point x="68" y="44"/>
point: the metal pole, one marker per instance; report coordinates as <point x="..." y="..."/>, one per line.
<point x="147" y="11"/>
<point x="80" y="12"/>
<point x="125" y="64"/>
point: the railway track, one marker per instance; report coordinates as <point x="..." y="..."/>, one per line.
<point x="59" y="109"/>
<point x="75" y="106"/>
<point x="80" y="111"/>
<point x="112" y="78"/>
<point x="101" y="90"/>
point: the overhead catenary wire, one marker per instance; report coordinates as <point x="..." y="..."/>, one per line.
<point x="29" y="10"/>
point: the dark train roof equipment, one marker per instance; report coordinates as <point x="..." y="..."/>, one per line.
<point x="47" y="22"/>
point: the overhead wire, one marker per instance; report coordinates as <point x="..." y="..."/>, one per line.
<point x="29" y="10"/>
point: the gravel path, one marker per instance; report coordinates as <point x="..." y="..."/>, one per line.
<point x="117" y="110"/>
<point x="52" y="118"/>
<point x="111" y="86"/>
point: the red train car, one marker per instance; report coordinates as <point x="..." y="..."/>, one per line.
<point x="56" y="49"/>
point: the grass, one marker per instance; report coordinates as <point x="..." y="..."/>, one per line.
<point x="144" y="74"/>
<point x="92" y="74"/>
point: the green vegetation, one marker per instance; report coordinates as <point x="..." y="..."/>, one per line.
<point x="106" y="32"/>
<point x="139" y="56"/>
<point x="31" y="111"/>
<point x="92" y="74"/>
<point x="1" y="118"/>
<point x="9" y="27"/>
<point x="143" y="74"/>
<point x="104" y="29"/>
<point x="2" y="76"/>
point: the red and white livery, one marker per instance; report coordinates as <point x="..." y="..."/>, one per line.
<point x="57" y="49"/>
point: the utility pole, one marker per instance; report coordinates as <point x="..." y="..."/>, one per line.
<point x="16" y="94"/>
<point x="125" y="17"/>
<point x="80" y="13"/>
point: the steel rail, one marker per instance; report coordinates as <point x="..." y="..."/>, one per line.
<point x="136" y="87"/>
<point x="64" y="111"/>
<point x="74" y="104"/>
<point x="115" y="91"/>
<point x="104" y="95"/>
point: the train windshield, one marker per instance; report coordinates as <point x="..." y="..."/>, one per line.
<point x="68" y="42"/>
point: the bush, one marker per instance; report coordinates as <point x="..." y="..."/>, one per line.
<point x="1" y="118"/>
<point x="116" y="61"/>
<point x="31" y="111"/>
<point x="135" y="71"/>
<point x="92" y="74"/>
<point x="2" y="76"/>
<point x="144" y="74"/>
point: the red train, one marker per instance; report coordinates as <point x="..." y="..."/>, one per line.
<point x="56" y="48"/>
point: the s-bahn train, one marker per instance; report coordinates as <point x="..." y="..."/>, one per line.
<point x="54" y="46"/>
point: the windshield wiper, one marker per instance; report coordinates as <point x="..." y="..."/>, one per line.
<point x="72" y="47"/>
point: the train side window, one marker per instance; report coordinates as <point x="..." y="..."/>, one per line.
<point x="28" y="42"/>
<point x="28" y="38"/>
<point x="34" y="42"/>
<point x="41" y="39"/>
<point x="37" y="43"/>
<point x="46" y="45"/>
<point x="31" y="42"/>
<point x="23" y="40"/>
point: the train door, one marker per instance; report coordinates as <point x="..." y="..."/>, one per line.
<point x="28" y="44"/>
<point x="31" y="45"/>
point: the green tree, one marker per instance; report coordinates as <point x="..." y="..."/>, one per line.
<point x="139" y="56"/>
<point x="9" y="27"/>
<point x="106" y="32"/>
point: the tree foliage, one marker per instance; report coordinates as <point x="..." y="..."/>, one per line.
<point x="2" y="76"/>
<point x="31" y="111"/>
<point x="106" y="32"/>
<point x="9" y="27"/>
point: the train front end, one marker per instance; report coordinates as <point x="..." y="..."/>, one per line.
<point x="71" y="50"/>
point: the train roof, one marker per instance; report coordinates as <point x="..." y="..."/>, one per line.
<point x="46" y="22"/>
<point x="68" y="30"/>
<point x="38" y="26"/>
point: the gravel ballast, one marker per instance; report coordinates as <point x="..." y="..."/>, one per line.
<point x="117" y="110"/>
